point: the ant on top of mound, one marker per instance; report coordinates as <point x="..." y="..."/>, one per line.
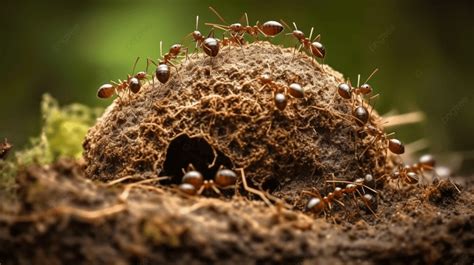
<point x="300" y="132"/>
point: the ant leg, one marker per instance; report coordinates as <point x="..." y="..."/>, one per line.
<point x="252" y="190"/>
<point x="152" y="76"/>
<point x="295" y="51"/>
<point x="177" y="71"/>
<point x="216" y="190"/>
<point x="367" y="148"/>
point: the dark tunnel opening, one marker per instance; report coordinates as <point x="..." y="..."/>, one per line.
<point x="184" y="150"/>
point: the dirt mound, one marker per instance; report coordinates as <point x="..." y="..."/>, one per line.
<point x="216" y="112"/>
<point x="64" y="218"/>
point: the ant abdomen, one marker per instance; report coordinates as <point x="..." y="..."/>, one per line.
<point x="296" y="90"/>
<point x="318" y="50"/>
<point x="134" y="85"/>
<point x="163" y="73"/>
<point x="106" y="91"/>
<point x="194" y="178"/>
<point x="211" y="46"/>
<point x="396" y="147"/>
<point x="361" y="114"/>
<point x="187" y="189"/>
<point x="315" y="205"/>
<point x="345" y="91"/>
<point x="280" y="101"/>
<point x="225" y="178"/>
<point x="271" y="28"/>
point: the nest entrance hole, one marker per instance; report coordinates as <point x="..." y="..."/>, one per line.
<point x="184" y="150"/>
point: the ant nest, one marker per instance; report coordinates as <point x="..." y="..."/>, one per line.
<point x="217" y="113"/>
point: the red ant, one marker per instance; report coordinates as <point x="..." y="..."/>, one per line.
<point x="409" y="173"/>
<point x="294" y="89"/>
<point x="133" y="83"/>
<point x="194" y="183"/>
<point x="268" y="29"/>
<point x="313" y="46"/>
<point x="318" y="203"/>
<point x="345" y="90"/>
<point x="209" y="44"/>
<point x="162" y="72"/>
<point x="362" y="115"/>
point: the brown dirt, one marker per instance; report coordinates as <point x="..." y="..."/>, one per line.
<point x="63" y="218"/>
<point x="111" y="209"/>
<point x="214" y="114"/>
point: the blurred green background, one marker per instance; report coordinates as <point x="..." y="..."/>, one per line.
<point x="424" y="50"/>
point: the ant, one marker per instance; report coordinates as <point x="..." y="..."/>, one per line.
<point x="362" y="115"/>
<point x="194" y="183"/>
<point x="318" y="203"/>
<point x="294" y="89"/>
<point x="409" y="173"/>
<point x="268" y="29"/>
<point x="162" y="72"/>
<point x="5" y="148"/>
<point x="133" y="83"/>
<point x="209" y="44"/>
<point x="313" y="46"/>
<point x="345" y="90"/>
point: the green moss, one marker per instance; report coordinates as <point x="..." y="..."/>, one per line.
<point x="62" y="133"/>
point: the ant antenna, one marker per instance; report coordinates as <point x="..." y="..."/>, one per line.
<point x="217" y="14"/>
<point x="161" y="48"/>
<point x="246" y="18"/>
<point x="294" y="24"/>
<point x="370" y="76"/>
<point x="311" y="33"/>
<point x="135" y="64"/>
<point x="285" y="24"/>
<point x="358" y="80"/>
<point x="197" y="22"/>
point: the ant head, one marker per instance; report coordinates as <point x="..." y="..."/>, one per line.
<point x="236" y="27"/>
<point x="298" y="34"/>
<point x="197" y="35"/>
<point x="365" y="89"/>
<point x="176" y="48"/>
<point x="140" y="75"/>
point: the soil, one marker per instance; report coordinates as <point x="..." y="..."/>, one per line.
<point x="216" y="112"/>
<point x="62" y="217"/>
<point x="121" y="205"/>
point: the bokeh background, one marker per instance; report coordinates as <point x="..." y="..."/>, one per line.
<point x="424" y="50"/>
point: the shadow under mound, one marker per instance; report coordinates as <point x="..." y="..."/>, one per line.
<point x="183" y="151"/>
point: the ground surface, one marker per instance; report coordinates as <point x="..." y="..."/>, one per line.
<point x="64" y="218"/>
<point x="111" y="208"/>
